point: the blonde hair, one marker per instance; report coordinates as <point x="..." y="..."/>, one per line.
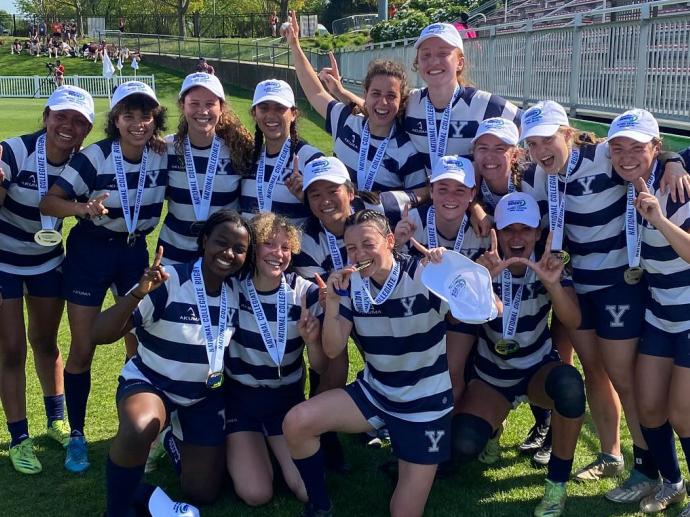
<point x="267" y="224"/>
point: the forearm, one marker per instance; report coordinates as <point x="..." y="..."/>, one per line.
<point x="333" y="338"/>
<point x="317" y="359"/>
<point x="565" y="306"/>
<point x="678" y="238"/>
<point x="115" y="322"/>
<point x="316" y="94"/>
<point x="347" y="97"/>
<point x="56" y="206"/>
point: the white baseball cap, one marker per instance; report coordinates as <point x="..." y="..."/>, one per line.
<point x="274" y="90"/>
<point x="72" y="98"/>
<point x="160" y="505"/>
<point x="465" y="285"/>
<point x="519" y="208"/>
<point x="543" y="119"/>
<point x="501" y="128"/>
<point x="453" y="168"/>
<point x="445" y="31"/>
<point x="326" y="168"/>
<point x="132" y="88"/>
<point x="638" y="124"/>
<point x="208" y="81"/>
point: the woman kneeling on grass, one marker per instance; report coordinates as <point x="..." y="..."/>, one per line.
<point x="183" y="318"/>
<point x="409" y="392"/>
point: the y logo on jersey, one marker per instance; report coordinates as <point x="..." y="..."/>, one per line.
<point x="586" y="183"/>
<point x="434" y="438"/>
<point x="616" y="312"/>
<point x="407" y="302"/>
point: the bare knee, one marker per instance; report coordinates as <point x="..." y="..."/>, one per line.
<point x="13" y="354"/>
<point x="200" y="490"/>
<point x="679" y="417"/>
<point x="297" y="424"/>
<point x="45" y="346"/>
<point x="254" y="494"/>
<point x="139" y="431"/>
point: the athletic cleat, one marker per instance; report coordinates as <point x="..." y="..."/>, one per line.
<point x="542" y="456"/>
<point x="59" y="431"/>
<point x="634" y="489"/>
<point x="156" y="454"/>
<point x="665" y="496"/>
<point x="160" y="505"/>
<point x="553" y="502"/>
<point x="605" y="466"/>
<point x="310" y="511"/>
<point x="685" y="512"/>
<point x="23" y="458"/>
<point x="381" y="440"/>
<point x="492" y="450"/>
<point x="77" y="458"/>
<point x="535" y="439"/>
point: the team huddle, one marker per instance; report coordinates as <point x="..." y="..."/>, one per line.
<point x="554" y="241"/>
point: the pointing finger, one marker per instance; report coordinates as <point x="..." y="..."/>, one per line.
<point x="334" y="65"/>
<point x="406" y="211"/>
<point x="549" y="240"/>
<point x="641" y="186"/>
<point x="101" y="197"/>
<point x="494" y="241"/>
<point x="419" y="247"/>
<point x="159" y="256"/>
<point x="319" y="281"/>
<point x="295" y="165"/>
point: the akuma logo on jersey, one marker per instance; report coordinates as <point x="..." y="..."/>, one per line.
<point x="457" y="286"/>
<point x="190" y="316"/>
<point x="27" y="180"/>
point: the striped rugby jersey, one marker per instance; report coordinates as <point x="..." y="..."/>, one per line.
<point x="284" y="203"/>
<point x="404" y="345"/>
<point x="171" y="350"/>
<point x="469" y="109"/>
<point x="247" y="361"/>
<point x="91" y="172"/>
<point x="20" y="218"/>
<point x="668" y="275"/>
<point x="178" y="235"/>
<point x="402" y="167"/>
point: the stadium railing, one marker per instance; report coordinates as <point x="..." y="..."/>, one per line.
<point x="40" y="86"/>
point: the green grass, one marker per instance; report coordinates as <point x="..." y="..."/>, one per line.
<point x="511" y="487"/>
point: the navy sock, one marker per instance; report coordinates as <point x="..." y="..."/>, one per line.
<point x="77" y="388"/>
<point x="170" y="446"/>
<point x="313" y="474"/>
<point x="19" y="431"/>
<point x="542" y="417"/>
<point x="644" y="463"/>
<point x="121" y="484"/>
<point x="662" y="447"/>
<point x="55" y="407"/>
<point x="685" y="443"/>
<point x="559" y="469"/>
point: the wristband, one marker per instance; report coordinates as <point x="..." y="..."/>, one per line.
<point x="135" y="296"/>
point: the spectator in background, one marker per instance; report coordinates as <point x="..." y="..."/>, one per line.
<point x="203" y="66"/>
<point x="121" y="24"/>
<point x="464" y="28"/>
<point x="273" y="24"/>
<point x="392" y="11"/>
<point x="42" y="29"/>
<point x="16" y="47"/>
<point x="59" y="73"/>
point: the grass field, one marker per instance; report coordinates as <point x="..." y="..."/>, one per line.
<point x="509" y="488"/>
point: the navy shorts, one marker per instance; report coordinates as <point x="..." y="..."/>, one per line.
<point x="660" y="343"/>
<point x="517" y="393"/>
<point x="43" y="285"/>
<point x="616" y="312"/>
<point x="423" y="443"/>
<point x="201" y="424"/>
<point x="259" y="410"/>
<point x="94" y="263"/>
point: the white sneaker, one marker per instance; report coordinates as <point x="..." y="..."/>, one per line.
<point x="160" y="505"/>
<point x="665" y="496"/>
<point x="634" y="489"/>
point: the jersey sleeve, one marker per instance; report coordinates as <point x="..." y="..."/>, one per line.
<point x="8" y="164"/>
<point x="151" y="307"/>
<point x="336" y="116"/>
<point x="78" y="177"/>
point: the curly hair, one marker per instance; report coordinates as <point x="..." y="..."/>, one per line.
<point x="389" y="68"/>
<point x="267" y="224"/>
<point x="136" y="102"/>
<point x="229" y="128"/>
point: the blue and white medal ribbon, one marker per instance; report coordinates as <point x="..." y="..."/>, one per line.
<point x="336" y="257"/>
<point x="265" y="198"/>
<point x="215" y="346"/>
<point x="274" y="346"/>
<point x="131" y="217"/>
<point x="47" y="222"/>
<point x="492" y="199"/>
<point x="365" y="179"/>
<point x="511" y="306"/>
<point x="438" y="142"/>
<point x="201" y="201"/>
<point x="361" y="296"/>
<point x="432" y="234"/>
<point x="633" y="234"/>
<point x="557" y="202"/>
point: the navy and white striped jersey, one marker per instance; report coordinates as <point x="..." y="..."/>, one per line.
<point x="470" y="108"/>
<point x="472" y="244"/>
<point x="20" y="218"/>
<point x="91" y="172"/>
<point x="315" y="255"/>
<point x="247" y="361"/>
<point x="685" y="154"/>
<point x="178" y="235"/>
<point x="532" y="334"/>
<point x="594" y="218"/>
<point x="284" y="203"/>
<point x="402" y="167"/>
<point x="404" y="345"/>
<point x="171" y="351"/>
<point x="668" y="275"/>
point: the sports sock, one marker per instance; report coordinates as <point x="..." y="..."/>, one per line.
<point x="121" y="485"/>
<point x="685" y="443"/>
<point x="644" y="462"/>
<point x="542" y="417"/>
<point x="334" y="456"/>
<point x="170" y="446"/>
<point x="312" y="471"/>
<point x="19" y="431"/>
<point x="77" y="388"/>
<point x="662" y="447"/>
<point x="559" y="469"/>
<point x="55" y="407"/>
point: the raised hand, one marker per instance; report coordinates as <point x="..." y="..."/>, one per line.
<point x="480" y="220"/>
<point x="491" y="259"/>
<point x="153" y="277"/>
<point x="434" y="255"/>
<point x="323" y="289"/>
<point x="676" y="181"/>
<point x="405" y="228"/>
<point x="647" y="204"/>
<point x="549" y="269"/>
<point x="295" y="180"/>
<point x="308" y="325"/>
<point x="330" y="76"/>
<point x="292" y="31"/>
<point x="94" y="207"/>
<point x="338" y="282"/>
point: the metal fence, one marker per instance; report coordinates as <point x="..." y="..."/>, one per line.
<point x="354" y="23"/>
<point x="37" y="86"/>
<point x="603" y="68"/>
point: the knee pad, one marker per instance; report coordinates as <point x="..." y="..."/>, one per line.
<point x="470" y="434"/>
<point x="567" y="390"/>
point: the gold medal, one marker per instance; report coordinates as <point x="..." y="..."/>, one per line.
<point x="48" y="238"/>
<point x="564" y="256"/>
<point x="214" y="380"/>
<point x="507" y="346"/>
<point x="633" y="275"/>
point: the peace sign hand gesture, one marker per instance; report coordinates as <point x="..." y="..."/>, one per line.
<point x="647" y="204"/>
<point x="405" y="228"/>
<point x="295" y="180"/>
<point x="330" y="76"/>
<point x="153" y="276"/>
<point x="308" y="324"/>
<point x="549" y="269"/>
<point x="492" y="261"/>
